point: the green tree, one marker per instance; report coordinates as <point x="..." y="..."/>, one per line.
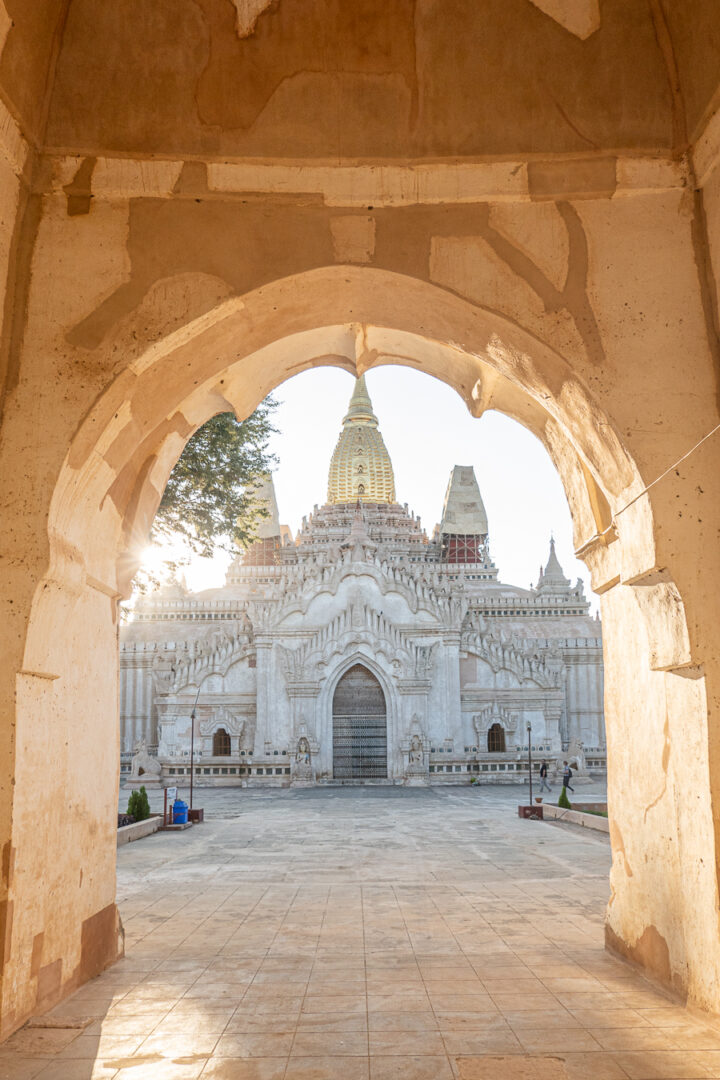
<point x="209" y="501"/>
<point x="563" y="800"/>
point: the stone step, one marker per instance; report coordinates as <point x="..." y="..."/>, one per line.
<point x="369" y="782"/>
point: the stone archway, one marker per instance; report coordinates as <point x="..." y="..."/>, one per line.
<point x="109" y="487"/>
<point x="359" y="724"/>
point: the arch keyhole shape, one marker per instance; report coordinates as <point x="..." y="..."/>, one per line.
<point x="359" y="727"/>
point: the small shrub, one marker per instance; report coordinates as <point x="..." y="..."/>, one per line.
<point x="563" y="800"/>
<point x="139" y="804"/>
<point x="144" y="804"/>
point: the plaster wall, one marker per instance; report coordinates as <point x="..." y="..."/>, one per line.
<point x="584" y="699"/>
<point x="27" y="60"/>
<point x="78" y="752"/>
<point x="656" y="756"/>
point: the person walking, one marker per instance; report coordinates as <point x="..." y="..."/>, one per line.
<point x="544" y="786"/>
<point x="567" y="777"/>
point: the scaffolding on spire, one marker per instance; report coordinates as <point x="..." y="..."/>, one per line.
<point x="464" y="526"/>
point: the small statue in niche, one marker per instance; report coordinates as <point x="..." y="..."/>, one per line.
<point x="303" y="762"/>
<point x="416" y="771"/>
<point x="416" y="751"/>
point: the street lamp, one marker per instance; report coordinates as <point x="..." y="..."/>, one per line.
<point x="192" y="746"/>
<point x="529" y="735"/>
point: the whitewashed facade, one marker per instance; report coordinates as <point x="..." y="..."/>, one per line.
<point x="362" y="650"/>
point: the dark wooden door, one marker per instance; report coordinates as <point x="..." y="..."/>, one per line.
<point x="359" y="727"/>
<point x="496" y="739"/>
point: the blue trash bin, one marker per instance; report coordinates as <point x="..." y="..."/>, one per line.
<point x="180" y="812"/>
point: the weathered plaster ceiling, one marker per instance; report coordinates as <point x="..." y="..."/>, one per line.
<point x="5" y="24"/>
<point x="248" y="13"/>
<point x="580" y="17"/>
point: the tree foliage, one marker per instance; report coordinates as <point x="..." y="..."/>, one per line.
<point x="209" y="501"/>
<point x="563" y="800"/>
<point x="139" y="804"/>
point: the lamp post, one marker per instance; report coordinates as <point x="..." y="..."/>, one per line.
<point x="529" y="735"/>
<point x="192" y="746"/>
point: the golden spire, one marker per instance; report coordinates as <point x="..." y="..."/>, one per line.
<point x="360" y="467"/>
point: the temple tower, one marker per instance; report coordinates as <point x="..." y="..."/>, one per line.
<point x="552" y="580"/>
<point x="464" y="526"/>
<point x="360" y="467"/>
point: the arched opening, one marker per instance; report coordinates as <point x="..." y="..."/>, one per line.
<point x="232" y="356"/>
<point x="221" y="743"/>
<point x="496" y="739"/>
<point x="359" y="725"/>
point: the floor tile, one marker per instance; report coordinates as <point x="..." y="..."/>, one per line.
<point x="162" y="1070"/>
<point x="663" y="1065"/>
<point x="253" y="1045"/>
<point x="367" y="934"/>
<point x="328" y="1068"/>
<point x="78" y="1070"/>
<point x="93" y="1046"/>
<point x="481" y="1042"/>
<point x="635" y="1038"/>
<point x="407" y="1043"/>
<point x="21" y="1067"/>
<point x="416" y="1021"/>
<point x="332" y="1022"/>
<point x="245" y="1069"/>
<point x="330" y="1043"/>
<point x="410" y="1068"/>
<point x="592" y="1066"/>
<point x="518" y="1067"/>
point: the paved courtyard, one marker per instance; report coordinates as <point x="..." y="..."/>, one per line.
<point x="366" y="934"/>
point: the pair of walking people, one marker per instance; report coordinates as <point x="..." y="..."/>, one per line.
<point x="567" y="776"/>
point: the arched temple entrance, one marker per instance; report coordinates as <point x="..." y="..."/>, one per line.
<point x="359" y="727"/>
<point x="106" y="490"/>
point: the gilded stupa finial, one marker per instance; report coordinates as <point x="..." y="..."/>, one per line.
<point x="360" y="407"/>
<point x="360" y="468"/>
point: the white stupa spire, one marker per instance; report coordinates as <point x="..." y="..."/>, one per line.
<point x="552" y="579"/>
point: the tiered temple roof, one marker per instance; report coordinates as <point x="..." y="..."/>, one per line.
<point x="458" y="552"/>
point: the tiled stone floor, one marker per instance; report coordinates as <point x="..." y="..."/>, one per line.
<point x="366" y="934"/>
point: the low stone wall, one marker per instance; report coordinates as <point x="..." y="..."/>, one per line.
<point x="577" y="817"/>
<point x="127" y="833"/>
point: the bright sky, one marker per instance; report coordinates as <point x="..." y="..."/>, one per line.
<point x="427" y="429"/>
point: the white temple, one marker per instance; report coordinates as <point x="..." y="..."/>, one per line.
<point x="362" y="650"/>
